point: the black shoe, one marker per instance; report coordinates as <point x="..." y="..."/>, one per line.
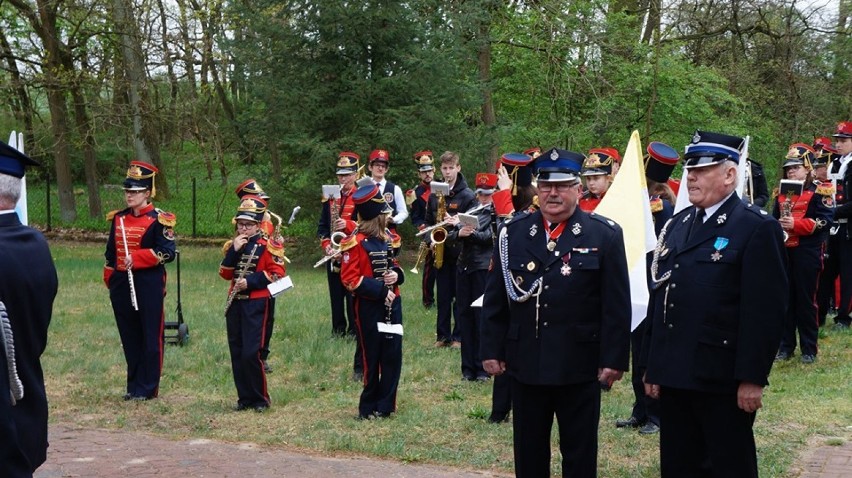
<point x="357" y="376"/>
<point x="808" y="358"/>
<point x="649" y="429"/>
<point x="841" y="325"/>
<point x="127" y="397"/>
<point x="482" y="378"/>
<point x="783" y="356"/>
<point x="428" y="305"/>
<point x="631" y="422"/>
<point x="239" y="407"/>
<point x="266" y="367"/>
<point x="260" y="408"/>
<point x="136" y="398"/>
<point x="498" y="417"/>
<point x="382" y="414"/>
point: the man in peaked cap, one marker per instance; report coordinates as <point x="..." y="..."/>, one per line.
<point x="343" y="208"/>
<point x="28" y="296"/>
<point x="551" y="325"/>
<point x="141" y="242"/>
<point x="418" y="198"/>
<point x="719" y="293"/>
<point x="843" y="183"/>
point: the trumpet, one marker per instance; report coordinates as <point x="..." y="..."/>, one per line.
<point x="421" y="256"/>
<point x="428" y="230"/>
<point x="336" y="241"/>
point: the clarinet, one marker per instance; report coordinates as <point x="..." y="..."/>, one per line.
<point x="388" y="307"/>
<point x="241" y="275"/>
<point x="133" y="300"/>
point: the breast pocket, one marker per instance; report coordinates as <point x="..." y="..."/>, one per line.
<point x="715" y="267"/>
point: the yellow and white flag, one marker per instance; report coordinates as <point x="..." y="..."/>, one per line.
<point x="626" y="202"/>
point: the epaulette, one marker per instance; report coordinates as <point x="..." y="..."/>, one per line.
<point x="517" y="217"/>
<point x="166" y="218"/>
<point x="275" y="248"/>
<point x="757" y="210"/>
<point x="226" y="246"/>
<point x="825" y="189"/>
<point x="110" y="215"/>
<point x="656" y="204"/>
<point x="410" y="197"/>
<point x="349" y="242"/>
<point x="609" y="222"/>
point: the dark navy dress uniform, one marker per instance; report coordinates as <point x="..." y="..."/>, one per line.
<point x="460" y="199"/>
<point x="555" y="343"/>
<point x="341" y="300"/>
<point x="842" y="215"/>
<point x="27" y="288"/>
<point x="812" y="212"/>
<point x="716" y="310"/>
<point x="420" y="196"/>
<point x="151" y="243"/>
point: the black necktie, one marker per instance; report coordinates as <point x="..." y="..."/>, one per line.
<point x="697" y="222"/>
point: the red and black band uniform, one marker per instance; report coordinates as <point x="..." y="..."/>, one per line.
<point x="364" y="262"/>
<point x="260" y="262"/>
<point x="342" y="313"/>
<point x="588" y="201"/>
<point x="812" y="212"/>
<point x="471" y="270"/>
<point x="420" y="200"/>
<point x="151" y="244"/>
<point x="827" y="291"/>
<point x="843" y="238"/>
<point x="460" y="199"/>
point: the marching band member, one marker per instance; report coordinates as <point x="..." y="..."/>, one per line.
<point x="417" y="199"/>
<point x="141" y="241"/>
<point x="370" y="272"/>
<point x="828" y="290"/>
<point x="251" y="263"/>
<point x="598" y="173"/>
<point x="378" y="165"/>
<point x="476" y="245"/>
<point x="843" y="184"/>
<point x="806" y="216"/>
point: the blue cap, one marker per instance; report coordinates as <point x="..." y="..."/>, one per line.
<point x="251" y="208"/>
<point x="13" y="162"/>
<point x="369" y="202"/>
<point x="558" y="165"/>
<point x="707" y="149"/>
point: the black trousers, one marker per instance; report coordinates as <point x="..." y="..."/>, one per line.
<point x="844" y="252"/>
<point x="428" y="281"/>
<point x="381" y="356"/>
<point x="645" y="408"/>
<point x="501" y="395"/>
<point x="246" y="323"/>
<point x="141" y="331"/>
<point x="705" y="435"/>
<point x="447" y="306"/>
<point x="264" y="352"/>
<point x="577" y="410"/>
<point x="469" y="286"/>
<point x="830" y="272"/>
<point x="804" y="264"/>
<point x="342" y="300"/>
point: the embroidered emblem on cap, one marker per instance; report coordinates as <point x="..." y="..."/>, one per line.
<point x="696" y="137"/>
<point x="554" y="155"/>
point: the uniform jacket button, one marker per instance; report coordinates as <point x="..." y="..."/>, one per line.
<point x="671" y="326"/>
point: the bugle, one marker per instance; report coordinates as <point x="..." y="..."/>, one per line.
<point x="422" y="251"/>
<point x="336" y="240"/>
<point x="129" y="272"/>
<point x="428" y="230"/>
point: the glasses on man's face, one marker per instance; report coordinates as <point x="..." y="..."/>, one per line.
<point x="245" y="225"/>
<point x="560" y="187"/>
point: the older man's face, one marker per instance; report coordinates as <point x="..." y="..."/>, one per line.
<point x="557" y="200"/>
<point x="710" y="184"/>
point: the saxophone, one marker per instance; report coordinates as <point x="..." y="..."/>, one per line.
<point x="439" y="234"/>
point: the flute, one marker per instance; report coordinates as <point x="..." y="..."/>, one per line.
<point x="129" y="272"/>
<point x="240" y="275"/>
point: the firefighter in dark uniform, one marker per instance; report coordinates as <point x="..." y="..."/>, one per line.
<point x="250" y="187"/>
<point x="251" y="263"/>
<point x="660" y="160"/>
<point x="829" y="285"/>
<point x="371" y="273"/>
<point x="27" y="290"/>
<point x="805" y="215"/>
<point x="141" y="241"/>
<point x="597" y="173"/>
<point x="556" y="318"/>
<point x="716" y="309"/>
<point x="417" y="199"/>
<point x="460" y="199"/>
<point x="843" y="211"/>
<point x="477" y="242"/>
<point x="341" y="301"/>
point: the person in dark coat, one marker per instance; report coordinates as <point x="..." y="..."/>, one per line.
<point x="27" y="291"/>
<point x="460" y="199"/>
<point x="716" y="313"/>
<point x="841" y="174"/>
<point x="141" y="241"/>
<point x="805" y="214"/>
<point x="556" y="318"/>
<point x="417" y="199"/>
<point x="370" y="272"/>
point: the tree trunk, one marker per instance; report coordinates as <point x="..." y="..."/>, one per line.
<point x="20" y="102"/>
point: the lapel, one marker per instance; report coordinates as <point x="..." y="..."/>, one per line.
<point x="711" y="227"/>
<point x="575" y="227"/>
<point x="537" y="238"/>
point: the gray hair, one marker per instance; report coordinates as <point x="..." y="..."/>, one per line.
<point x="10" y="191"/>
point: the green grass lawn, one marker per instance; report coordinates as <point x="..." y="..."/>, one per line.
<point x="440" y="418"/>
